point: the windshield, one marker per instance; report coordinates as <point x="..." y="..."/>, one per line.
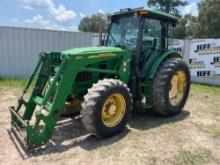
<point x="123" y="32"/>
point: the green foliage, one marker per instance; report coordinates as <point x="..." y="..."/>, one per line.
<point x="187" y="27"/>
<point x="179" y="32"/>
<point x="168" y="6"/>
<point x="205" y="89"/>
<point x="209" y="18"/>
<point x="192" y="26"/>
<point x="205" y="25"/>
<point x="96" y="23"/>
<point x="12" y="82"/>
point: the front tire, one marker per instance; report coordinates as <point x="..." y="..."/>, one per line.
<point x="106" y="108"/>
<point x="171" y="86"/>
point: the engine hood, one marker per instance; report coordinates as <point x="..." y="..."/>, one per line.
<point x="91" y="50"/>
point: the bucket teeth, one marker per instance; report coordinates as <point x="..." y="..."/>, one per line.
<point x="18" y="138"/>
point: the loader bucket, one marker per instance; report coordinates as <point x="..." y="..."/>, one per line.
<point x="33" y="126"/>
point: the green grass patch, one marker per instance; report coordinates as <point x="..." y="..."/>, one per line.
<point x="216" y="132"/>
<point x="195" y="157"/>
<point x="206" y="89"/>
<point x="12" y="82"/>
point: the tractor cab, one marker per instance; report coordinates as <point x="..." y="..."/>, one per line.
<point x="145" y="34"/>
<point x="141" y="30"/>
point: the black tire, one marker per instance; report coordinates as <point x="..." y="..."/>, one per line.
<point x="162" y="85"/>
<point x="94" y="101"/>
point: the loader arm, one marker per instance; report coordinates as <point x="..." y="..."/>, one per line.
<point x="56" y="78"/>
<point x="47" y="112"/>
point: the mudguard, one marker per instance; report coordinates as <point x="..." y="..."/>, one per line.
<point x="151" y="71"/>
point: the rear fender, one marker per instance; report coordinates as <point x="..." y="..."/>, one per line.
<point x="155" y="65"/>
<point x="153" y="70"/>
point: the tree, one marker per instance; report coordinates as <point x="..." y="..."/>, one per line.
<point x="179" y="32"/>
<point x="187" y="27"/>
<point x="209" y="19"/>
<point x="192" y="26"/>
<point x="97" y="23"/>
<point x="168" y="6"/>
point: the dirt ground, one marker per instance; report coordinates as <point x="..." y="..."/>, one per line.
<point x="192" y="137"/>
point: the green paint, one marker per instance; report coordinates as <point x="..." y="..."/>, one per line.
<point x="60" y="75"/>
<point x="62" y="69"/>
<point x="159" y="59"/>
<point x="91" y="50"/>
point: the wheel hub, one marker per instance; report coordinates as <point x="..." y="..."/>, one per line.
<point x="177" y="89"/>
<point x="113" y="110"/>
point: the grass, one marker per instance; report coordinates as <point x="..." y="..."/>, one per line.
<point x="216" y="132"/>
<point x="212" y="130"/>
<point x="196" y="157"/>
<point x="206" y="89"/>
<point x="12" y="82"/>
<point x="212" y="98"/>
<point x="17" y="84"/>
<point x="137" y="146"/>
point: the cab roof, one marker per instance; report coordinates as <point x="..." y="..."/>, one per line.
<point x="155" y="14"/>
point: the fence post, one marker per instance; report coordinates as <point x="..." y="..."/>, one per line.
<point x="187" y="47"/>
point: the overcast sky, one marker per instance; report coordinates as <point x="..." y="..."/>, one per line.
<point x="65" y="14"/>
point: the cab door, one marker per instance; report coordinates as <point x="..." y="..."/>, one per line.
<point x="151" y="39"/>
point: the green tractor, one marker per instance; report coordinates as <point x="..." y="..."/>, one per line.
<point x="135" y="67"/>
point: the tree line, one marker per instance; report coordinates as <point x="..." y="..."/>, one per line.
<point x="205" y="25"/>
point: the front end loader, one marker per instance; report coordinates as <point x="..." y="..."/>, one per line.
<point x="135" y="67"/>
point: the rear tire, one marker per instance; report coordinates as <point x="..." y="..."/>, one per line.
<point x="171" y="86"/>
<point x="106" y="108"/>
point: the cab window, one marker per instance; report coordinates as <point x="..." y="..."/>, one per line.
<point x="157" y="34"/>
<point x="152" y="33"/>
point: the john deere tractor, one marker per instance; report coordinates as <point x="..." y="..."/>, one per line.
<point x="135" y="67"/>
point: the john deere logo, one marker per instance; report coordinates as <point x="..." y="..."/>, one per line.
<point x="102" y="55"/>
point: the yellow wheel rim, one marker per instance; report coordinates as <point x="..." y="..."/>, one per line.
<point x="113" y="110"/>
<point x="178" y="88"/>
